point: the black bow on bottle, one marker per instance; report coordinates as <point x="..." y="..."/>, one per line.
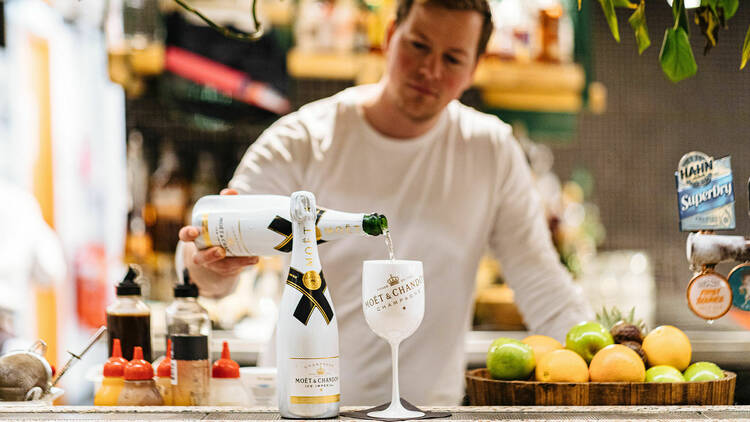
<point x="310" y="299"/>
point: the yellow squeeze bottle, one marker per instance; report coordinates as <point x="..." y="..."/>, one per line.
<point x="113" y="381"/>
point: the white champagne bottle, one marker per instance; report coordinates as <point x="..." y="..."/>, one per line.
<point x="247" y="225"/>
<point x="307" y="339"/>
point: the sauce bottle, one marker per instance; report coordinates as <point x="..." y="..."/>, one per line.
<point x="164" y="377"/>
<point x="189" y="327"/>
<point x="139" y="388"/>
<point x="129" y="318"/>
<point x="226" y="387"/>
<point x="113" y="382"/>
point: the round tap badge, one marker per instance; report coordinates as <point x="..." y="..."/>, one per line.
<point x="709" y="295"/>
<point x="312" y="280"/>
<point x="739" y="279"/>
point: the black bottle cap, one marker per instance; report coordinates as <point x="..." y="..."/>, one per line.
<point x="186" y="289"/>
<point x="128" y="286"/>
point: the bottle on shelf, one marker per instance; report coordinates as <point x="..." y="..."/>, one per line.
<point x="189" y="329"/>
<point x="138" y="244"/>
<point x="169" y="196"/>
<point x="129" y="318"/>
<point x="307" y="343"/>
<point x="139" y="388"/>
<point x="248" y="225"/>
<point x="226" y="386"/>
<point x="164" y="376"/>
<point x="113" y="381"/>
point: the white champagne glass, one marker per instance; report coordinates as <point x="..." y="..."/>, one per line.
<point x="393" y="303"/>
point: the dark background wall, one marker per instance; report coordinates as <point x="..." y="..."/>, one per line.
<point x="634" y="147"/>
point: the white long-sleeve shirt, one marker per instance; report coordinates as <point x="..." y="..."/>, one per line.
<point x="449" y="195"/>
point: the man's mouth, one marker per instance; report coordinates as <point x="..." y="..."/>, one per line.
<point x="422" y="89"/>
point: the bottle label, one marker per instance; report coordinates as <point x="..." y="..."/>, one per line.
<point x="173" y="372"/>
<point x="709" y="295"/>
<point x="705" y="193"/>
<point x="314" y="380"/>
<point x="313" y="289"/>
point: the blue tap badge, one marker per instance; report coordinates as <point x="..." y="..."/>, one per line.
<point x="705" y="193"/>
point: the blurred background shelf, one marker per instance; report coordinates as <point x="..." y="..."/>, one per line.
<point x="510" y="85"/>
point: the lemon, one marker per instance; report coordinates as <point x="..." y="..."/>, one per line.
<point x="562" y="365"/>
<point x="616" y="363"/>
<point x="667" y="345"/>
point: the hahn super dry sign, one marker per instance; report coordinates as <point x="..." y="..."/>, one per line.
<point x="705" y="193"/>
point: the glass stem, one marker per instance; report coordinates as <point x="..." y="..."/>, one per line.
<point x="395" y="395"/>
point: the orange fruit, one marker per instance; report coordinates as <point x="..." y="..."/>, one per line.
<point x="617" y="363"/>
<point x="541" y="345"/>
<point x="667" y="345"/>
<point x="562" y="365"/>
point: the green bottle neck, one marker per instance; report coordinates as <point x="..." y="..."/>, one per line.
<point x="374" y="224"/>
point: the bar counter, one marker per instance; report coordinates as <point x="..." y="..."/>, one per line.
<point x="653" y="413"/>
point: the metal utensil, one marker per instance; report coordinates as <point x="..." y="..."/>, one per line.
<point x="76" y="357"/>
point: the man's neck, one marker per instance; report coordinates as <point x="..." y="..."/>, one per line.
<point x="388" y="120"/>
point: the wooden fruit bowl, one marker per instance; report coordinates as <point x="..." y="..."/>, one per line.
<point x="485" y="391"/>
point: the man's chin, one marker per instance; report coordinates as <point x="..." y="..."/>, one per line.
<point x="419" y="112"/>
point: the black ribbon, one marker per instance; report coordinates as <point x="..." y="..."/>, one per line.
<point x="310" y="299"/>
<point x="283" y="227"/>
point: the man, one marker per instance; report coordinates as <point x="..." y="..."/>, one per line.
<point x="452" y="182"/>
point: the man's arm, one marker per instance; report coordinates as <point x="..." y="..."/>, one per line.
<point x="544" y="291"/>
<point x="274" y="164"/>
<point x="211" y="270"/>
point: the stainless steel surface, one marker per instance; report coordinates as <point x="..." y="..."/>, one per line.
<point x="654" y="413"/>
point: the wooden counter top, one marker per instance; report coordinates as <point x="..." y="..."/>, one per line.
<point x="653" y="413"/>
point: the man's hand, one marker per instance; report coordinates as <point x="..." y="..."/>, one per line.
<point x="213" y="272"/>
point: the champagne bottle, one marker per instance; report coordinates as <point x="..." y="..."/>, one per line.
<point x="307" y="340"/>
<point x="247" y="225"/>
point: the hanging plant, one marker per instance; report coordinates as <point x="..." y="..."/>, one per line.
<point x="228" y="32"/>
<point x="676" y="56"/>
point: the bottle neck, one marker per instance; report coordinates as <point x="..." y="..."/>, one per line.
<point x="186" y="299"/>
<point x="374" y="224"/>
<point x="305" y="246"/>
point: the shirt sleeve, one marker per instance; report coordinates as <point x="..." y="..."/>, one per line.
<point x="544" y="292"/>
<point x="275" y="163"/>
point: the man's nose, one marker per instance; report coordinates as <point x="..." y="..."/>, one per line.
<point x="431" y="67"/>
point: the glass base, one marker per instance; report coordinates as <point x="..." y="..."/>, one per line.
<point x="396" y="412"/>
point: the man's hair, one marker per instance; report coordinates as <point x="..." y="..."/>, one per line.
<point x="481" y="6"/>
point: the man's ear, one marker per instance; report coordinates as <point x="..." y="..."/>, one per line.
<point x="389" y="34"/>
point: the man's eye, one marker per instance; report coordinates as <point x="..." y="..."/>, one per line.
<point x="452" y="60"/>
<point x="418" y="45"/>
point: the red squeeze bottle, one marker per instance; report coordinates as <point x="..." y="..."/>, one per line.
<point x="140" y="388"/>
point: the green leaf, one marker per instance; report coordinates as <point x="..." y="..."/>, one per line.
<point x="730" y="7"/>
<point x="676" y="56"/>
<point x="637" y="21"/>
<point x="745" y="49"/>
<point x="680" y="15"/>
<point x="624" y="4"/>
<point x="608" y="7"/>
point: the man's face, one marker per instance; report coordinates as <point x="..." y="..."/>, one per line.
<point x="431" y="59"/>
